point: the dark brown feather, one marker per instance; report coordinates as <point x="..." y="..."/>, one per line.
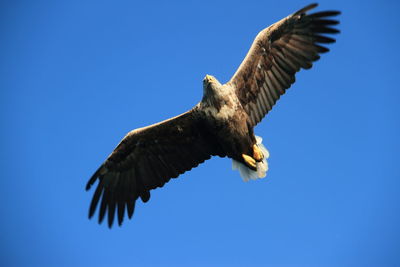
<point x="278" y="52"/>
<point x="322" y="14"/>
<point x="327" y="22"/>
<point x="111" y="209"/>
<point x="145" y="159"/>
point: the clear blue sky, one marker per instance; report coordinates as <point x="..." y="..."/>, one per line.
<point x="75" y="76"/>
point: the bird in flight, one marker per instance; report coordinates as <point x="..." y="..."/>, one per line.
<point x="221" y="124"/>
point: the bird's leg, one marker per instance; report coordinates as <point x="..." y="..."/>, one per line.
<point x="257" y="157"/>
<point x="249" y="161"/>
<point x="257" y="153"/>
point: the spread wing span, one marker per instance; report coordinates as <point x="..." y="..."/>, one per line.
<point x="145" y="159"/>
<point x="277" y="53"/>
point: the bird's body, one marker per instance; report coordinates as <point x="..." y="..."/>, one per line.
<point x="221" y="124"/>
<point x="222" y="112"/>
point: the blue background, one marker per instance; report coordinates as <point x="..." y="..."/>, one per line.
<point x="76" y="76"/>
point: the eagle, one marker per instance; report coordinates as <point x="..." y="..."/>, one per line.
<point x="221" y="124"/>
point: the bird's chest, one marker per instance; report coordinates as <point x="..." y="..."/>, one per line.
<point x="226" y="115"/>
<point x="222" y="107"/>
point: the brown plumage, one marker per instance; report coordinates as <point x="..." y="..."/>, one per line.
<point x="220" y="125"/>
<point x="277" y="53"/>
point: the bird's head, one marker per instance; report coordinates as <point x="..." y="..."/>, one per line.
<point x="210" y="84"/>
<point x="209" y="79"/>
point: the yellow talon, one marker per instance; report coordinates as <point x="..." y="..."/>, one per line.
<point x="257" y="153"/>
<point x="249" y="160"/>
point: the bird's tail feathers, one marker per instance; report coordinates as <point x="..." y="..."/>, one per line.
<point x="262" y="167"/>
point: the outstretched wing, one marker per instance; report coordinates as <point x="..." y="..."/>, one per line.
<point x="148" y="158"/>
<point x="277" y="53"/>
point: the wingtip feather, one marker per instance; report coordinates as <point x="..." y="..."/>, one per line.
<point x="94" y="177"/>
<point x="145" y="196"/>
<point x="306" y="8"/>
<point x="329" y="13"/>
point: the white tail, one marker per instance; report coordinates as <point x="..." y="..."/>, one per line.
<point x="262" y="167"/>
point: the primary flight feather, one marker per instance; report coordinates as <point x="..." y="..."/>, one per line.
<point x="221" y="124"/>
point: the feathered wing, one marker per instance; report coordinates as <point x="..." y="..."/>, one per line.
<point x="147" y="158"/>
<point x="277" y="53"/>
